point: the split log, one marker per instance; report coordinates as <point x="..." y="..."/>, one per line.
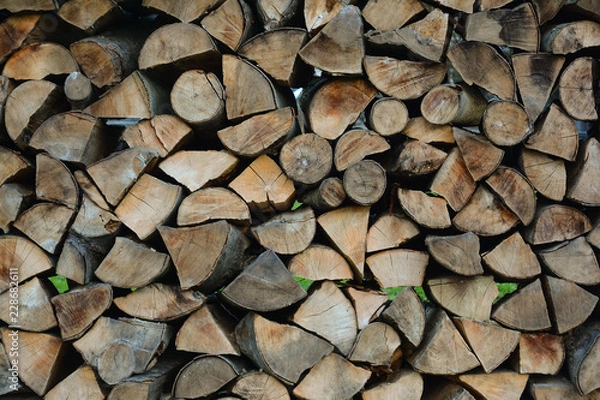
<point x="546" y="10"/>
<point x="469" y="297"/>
<point x="257" y="385"/>
<point x="539" y="353"/>
<point x="505" y="123"/>
<point x="54" y="182"/>
<point x="458" y="253"/>
<point x="547" y="175"/>
<point x="593" y="237"/>
<point x="584" y="179"/>
<point x="79" y="308"/>
<point x="414" y="158"/>
<point x="448" y="390"/>
<point x="30" y="5"/>
<point x="354" y="145"/>
<point x="20" y="254"/>
<point x="398" y="267"/>
<point x="208" y="330"/>
<point x="570" y="305"/>
<point x="368" y="305"/>
<point x="499" y="385"/>
<point x="420" y="129"/>
<point x="480" y="64"/>
<point x="480" y="155"/>
<point x="407" y="315"/>
<point x="264" y="186"/>
<point x="585" y="8"/>
<point x="337" y="104"/>
<point x="276" y="13"/>
<point x="332" y="377"/>
<point x="46" y="224"/>
<point x="515" y="191"/>
<point x="317" y="13"/>
<point x="576" y="88"/>
<point x="453" y="104"/>
<point x="198" y="169"/>
<point x="289" y="232"/>
<point x="403" y="79"/>
<point x="491" y="343"/>
<point x="525" y="309"/>
<point x="320" y="262"/>
<point x="377" y="13"/>
<point x="306" y="158"/>
<point x="571" y="37"/>
<point x="431" y="212"/>
<point x="222" y="246"/>
<point x="388" y="116"/>
<point x="327" y="196"/>
<point x="369" y="347"/>
<point x="185" y="12"/>
<point x="453" y="181"/>
<point x="259" y="339"/>
<point x="81" y="383"/>
<point x="408" y="382"/>
<point x="91" y="18"/>
<point x="19" y="29"/>
<point x="231" y="23"/>
<point x="78" y="90"/>
<point x="556" y="223"/>
<point x="13" y="166"/>
<point x="555" y="388"/>
<point x="193" y="85"/>
<point x="162" y="133"/>
<point x="212" y="204"/>
<point x="390" y="231"/>
<point x="264" y="285"/>
<point x="574" y="261"/>
<point x="500" y="259"/>
<point x="583" y="350"/>
<point x="33" y="312"/>
<point x="339" y="47"/>
<point x="556" y="135"/>
<point x="365" y="182"/>
<point x="38" y="61"/>
<point x="14" y="199"/>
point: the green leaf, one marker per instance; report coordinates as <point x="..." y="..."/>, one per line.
<point x="133" y="289"/>
<point x="60" y="283"/>
<point x="421" y="293"/>
<point x="296" y="205"/>
<point x="304" y="282"/>
<point x="393" y="291"/>
<point x="505" y="288"/>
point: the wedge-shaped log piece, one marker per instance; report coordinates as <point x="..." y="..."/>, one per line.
<point x="414" y="158"/>
<point x="221" y="245"/>
<point x="368" y="304"/>
<point x="306" y="158"/>
<point x="576" y="88"/>
<point x="289" y="232"/>
<point x="406" y="381"/>
<point x="442" y="351"/>
<point x="480" y="64"/>
<point x="377" y="344"/>
<point x="276" y="53"/>
<point x="14" y="199"/>
<point x="320" y="262"/>
<point x="276" y="13"/>
<point x="46" y="224"/>
<point x="95" y="225"/>
<point x="338" y="104"/>
<point x="448" y="390"/>
<point x="536" y="75"/>
<point x="41" y="358"/>
<point x="556" y="388"/>
<point x="404" y="80"/>
<point x="20" y="259"/>
<point x="197" y="169"/>
<point x="492" y="27"/>
<point x="515" y="191"/>
<point x="135" y="97"/>
<point x="427" y="38"/>
<point x="82" y="384"/>
<point x="34" y="311"/>
<point x="525" y="309"/>
<point x="491" y="343"/>
<point x="77" y="309"/>
<point x="485" y="215"/>
<point x="431" y="212"/>
<point x="54" y="182"/>
<point x="205" y="375"/>
<point x="80" y="256"/>
<point x="257" y="385"/>
<point x="231" y="23"/>
<point x="556" y="223"/>
<point x="388" y="116"/>
<point x="502" y="259"/>
<point x="185" y="12"/>
<point x="178" y="46"/>
<point x="317" y="13"/>
<point x="407" y="315"/>
<point x="498" y="385"/>
<point x="13" y="166"/>
<point x="585" y="180"/>
<point x="160" y="302"/>
<point x="264" y="186"/>
<point x="329" y="314"/>
<point x="546" y="10"/>
<point x="479" y="155"/>
<point x="264" y="285"/>
<point x="72" y="136"/>
<point x="453" y="103"/>
<point x="570" y="305"/>
<point x="119" y="348"/>
<point x="398" y="267"/>
<point x="327" y="196"/>
<point x="377" y="13"/>
<point x="587" y="8"/>
<point x="458" y="253"/>
<point x="571" y="37"/>
<point x="91" y="18"/>
<point x="263" y="340"/>
<point x="334" y="378"/>
<point x="40" y="60"/>
<point x="161" y="133"/>
<point x="355" y="145"/>
<point x="574" y="261"/>
<point x="505" y="123"/>
<point x="338" y="48"/>
<point x="131" y="264"/>
<point x="593" y="237"/>
<point x="260" y="133"/>
<point x="148" y="204"/>
<point x="198" y="98"/>
<point x="547" y="175"/>
<point x="556" y="135"/>
<point x="208" y="330"/>
<point x="347" y="228"/>
<point x="19" y="28"/>
<point x="469" y="297"/>
<point x="390" y="231"/>
<point x="453" y="181"/>
<point x="212" y="204"/>
<point x="539" y="353"/>
<point x="420" y="129"/>
<point x="365" y="182"/>
<point x="583" y="354"/>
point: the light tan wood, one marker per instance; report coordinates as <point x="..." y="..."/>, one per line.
<point x="570" y="304"/>
<point x="407" y="314"/>
<point x="513" y="247"/>
<point x="34" y="311"/>
<point x="328" y="195"/>
<point x="469" y="297"/>
<point x="306" y="158"/>
<point x="81" y="383"/>
<point x="404" y="80"/>
<point x="14" y="199"/>
<point x="582" y="356"/>
<point x="593" y="237"/>
<point x="205" y="375"/>
<point x="19" y="27"/>
<point x="231" y="23"/>
<point x="388" y="116"/>
<point x="54" y="182"/>
<point x="198" y="169"/>
<point x="555" y="135"/>
<point x="414" y="158"/>
<point x="259" y="385"/>
<point x="453" y="181"/>
<point x="505" y="123"/>
<point x="78" y="90"/>
<point x="6" y="87"/>
<point x="14" y="166"/>
<point x="547" y="175"/>
<point x="584" y="180"/>
<point x="539" y="353"/>
<point x="398" y="267"/>
<point x="389" y="231"/>
<point x="368" y="305"/>
<point x="525" y="309"/>
<point x="46" y="224"/>
<point x="162" y="133"/>
<point x="431" y="212"/>
<point x="320" y="262"/>
<point x="355" y="145"/>
<point x="574" y="261"/>
<point x="185" y="12"/>
<point x="365" y="182"/>
<point x="458" y="253"/>
<point x="406" y="381"/>
<point x="421" y="129"/>
<point x="555" y="223"/>
<point x="91" y="17"/>
<point x="576" y="88"/>
<point x="212" y="204"/>
<point x="288" y="232"/>
<point x="455" y="104"/>
<point x="505" y="385"/>
<point x="480" y="155"/>
<point x="276" y="13"/>
<point x="194" y="84"/>
<point x="377" y="13"/>
<point x="19" y="253"/>
<point x="370" y="349"/>
<point x="40" y="60"/>
<point x="492" y="4"/>
<point x="515" y="191"/>
<point x="555" y="388"/>
<point x="30" y="5"/>
<point x="317" y="13"/>
<point x="571" y="37"/>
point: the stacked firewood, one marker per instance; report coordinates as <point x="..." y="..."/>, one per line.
<point x="318" y="199"/>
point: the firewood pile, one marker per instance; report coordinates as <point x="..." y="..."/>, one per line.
<point x="318" y="199"/>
